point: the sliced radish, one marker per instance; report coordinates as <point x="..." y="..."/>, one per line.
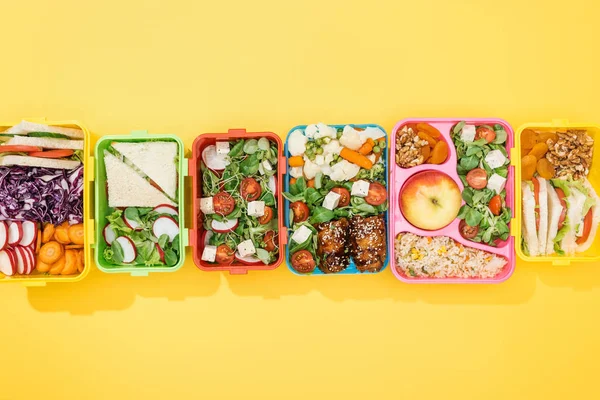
<point x="21" y="260"/>
<point x="224" y="227"/>
<point x="273" y="185"/>
<point x="129" y="251"/>
<point x="3" y="235"/>
<point x="161" y="253"/>
<point x="109" y="234"/>
<point x="165" y="226"/>
<point x="166" y="209"/>
<point x="29" y="233"/>
<point x="206" y="235"/>
<point x="251" y="260"/>
<point x="7" y="264"/>
<point x="30" y="265"/>
<point x="136" y="226"/>
<point x="13" y="256"/>
<point x="212" y="160"/>
<point x="15" y="232"/>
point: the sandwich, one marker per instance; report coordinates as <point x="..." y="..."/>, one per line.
<point x="26" y="127"/>
<point x="531" y="245"/>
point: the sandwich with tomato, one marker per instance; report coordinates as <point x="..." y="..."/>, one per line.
<point x="560" y="216"/>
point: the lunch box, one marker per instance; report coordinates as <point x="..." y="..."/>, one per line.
<point x="41" y="279"/>
<point x="196" y="233"/>
<point x="593" y="253"/>
<point x="351" y="269"/>
<point x="101" y="202"/>
<point x="400" y="175"/>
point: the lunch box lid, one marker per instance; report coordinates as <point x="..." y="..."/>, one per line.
<point x="195" y="233"/>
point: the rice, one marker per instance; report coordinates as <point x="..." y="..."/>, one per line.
<point x="442" y="257"/>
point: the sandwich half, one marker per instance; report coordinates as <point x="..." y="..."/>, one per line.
<point x="540" y="195"/>
<point x="591" y="219"/>
<point x="531" y="244"/>
<point x="557" y="210"/>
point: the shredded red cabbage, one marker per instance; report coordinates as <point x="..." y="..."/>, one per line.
<point x="41" y="194"/>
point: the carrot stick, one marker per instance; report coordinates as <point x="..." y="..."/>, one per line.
<point x="356" y="158"/>
<point x="296" y="161"/>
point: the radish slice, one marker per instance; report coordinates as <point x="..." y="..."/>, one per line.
<point x="109" y="234"/>
<point x="224" y="227"/>
<point x="166" y="209"/>
<point x="21" y="260"/>
<point x="247" y="259"/>
<point x="161" y="253"/>
<point x="212" y="160"/>
<point x="15" y="232"/>
<point x="129" y="251"/>
<point x="206" y="236"/>
<point x="136" y="226"/>
<point x="29" y="233"/>
<point x="13" y="256"/>
<point x="273" y="185"/>
<point x="165" y="226"/>
<point x="7" y="265"/>
<point x="30" y="265"/>
<point x="3" y="235"/>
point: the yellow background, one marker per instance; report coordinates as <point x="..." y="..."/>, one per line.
<point x="195" y="67"/>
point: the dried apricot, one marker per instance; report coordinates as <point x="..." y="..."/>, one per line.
<point x="539" y="150"/>
<point x="528" y="139"/>
<point x="544" y="136"/>
<point x="430" y="130"/>
<point x="424" y="136"/>
<point x="545" y="169"/>
<point x="528" y="166"/>
<point x="426" y="151"/>
<point x="439" y="153"/>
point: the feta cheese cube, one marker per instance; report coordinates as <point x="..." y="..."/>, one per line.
<point x="223" y="148"/>
<point x="360" y="188"/>
<point x="496" y="183"/>
<point x="246" y="248"/>
<point x="256" y="208"/>
<point x="320" y="159"/>
<point x="296" y="172"/>
<point x="331" y="201"/>
<point x="206" y="205"/>
<point x="209" y="253"/>
<point x="267" y="165"/>
<point x="301" y="234"/>
<point x="495" y="159"/>
<point x="468" y="133"/>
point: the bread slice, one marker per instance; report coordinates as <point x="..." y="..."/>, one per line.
<point x="25" y="127"/>
<point x="46" y="143"/>
<point x="575" y="217"/>
<point x="155" y="159"/>
<point x="528" y="221"/>
<point x="126" y="188"/>
<point x="595" y="218"/>
<point x="555" y="208"/>
<point x="27" y="161"/>
<point x="542" y="210"/>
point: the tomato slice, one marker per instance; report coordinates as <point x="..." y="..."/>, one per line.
<point x="223" y="203"/>
<point x="477" y="178"/>
<point x="486" y="133"/>
<point x="536" y="195"/>
<point x="344" y="196"/>
<point x="270" y="239"/>
<point x="250" y="189"/>
<point x="563" y="203"/>
<point x="377" y="194"/>
<point x="52" y="153"/>
<point x="267" y="216"/>
<point x="467" y="231"/>
<point x="300" y="210"/>
<point x="496" y="205"/>
<point x="303" y="261"/>
<point x="17" y="148"/>
<point x="587" y="227"/>
<point x="225" y="255"/>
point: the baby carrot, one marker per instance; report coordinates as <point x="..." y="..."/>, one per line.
<point x="356" y="158"/>
<point x="296" y="161"/>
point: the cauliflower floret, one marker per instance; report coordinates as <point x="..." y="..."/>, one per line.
<point x="325" y="131"/>
<point x="296" y="172"/>
<point x="373" y="133"/>
<point x="326" y="170"/>
<point x="297" y="143"/>
<point x="333" y="147"/>
<point x="351" y="170"/>
<point x="351" y="138"/>
<point x="344" y="170"/>
<point x="311" y="130"/>
<point x="310" y="169"/>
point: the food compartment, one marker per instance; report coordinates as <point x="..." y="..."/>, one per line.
<point x="247" y="187"/>
<point x="436" y="201"/>
<point x="336" y="209"/>
<point x="140" y="208"/>
<point x="45" y="202"/>
<point x="558" y="209"/>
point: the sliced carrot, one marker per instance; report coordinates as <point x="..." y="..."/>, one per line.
<point x="58" y="266"/>
<point x="61" y="234"/>
<point x="76" y="233"/>
<point x="52" y="153"/>
<point x="73" y="246"/>
<point x="296" y="161"/>
<point x="70" y="263"/>
<point x="42" y="266"/>
<point x="356" y="158"/>
<point x="48" y="233"/>
<point x="50" y="252"/>
<point x="80" y="261"/>
<point x="38" y="243"/>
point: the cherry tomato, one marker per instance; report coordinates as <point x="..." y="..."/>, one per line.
<point x="52" y="153"/>
<point x="303" y="261"/>
<point x="223" y="203"/>
<point x="377" y="194"/>
<point x="536" y="195"/>
<point x="496" y="205"/>
<point x="587" y="227"/>
<point x="250" y="189"/>
<point x="225" y="255"/>
<point x="300" y="210"/>
<point x="267" y="216"/>
<point x="19" y="149"/>
<point x="344" y="196"/>
<point x="270" y="239"/>
<point x="477" y="178"/>
<point x="563" y="203"/>
<point x="485" y="133"/>
<point x="467" y="231"/>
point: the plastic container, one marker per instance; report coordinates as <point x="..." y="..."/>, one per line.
<point x="196" y="233"/>
<point x="593" y="253"/>
<point x="101" y="202"/>
<point x="351" y="270"/>
<point x="39" y="279"/>
<point x="400" y="225"/>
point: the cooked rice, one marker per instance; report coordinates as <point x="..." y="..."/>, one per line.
<point x="442" y="257"/>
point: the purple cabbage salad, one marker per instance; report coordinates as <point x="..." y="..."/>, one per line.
<point x="41" y="194"/>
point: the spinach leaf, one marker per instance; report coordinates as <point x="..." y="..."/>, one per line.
<point x="321" y="214"/>
<point x="251" y="146"/>
<point x="170" y="258"/>
<point x="250" y="165"/>
<point x="118" y="254"/>
<point x="163" y="240"/>
<point x="236" y="150"/>
<point x="473" y="217"/>
<point x="458" y="127"/>
<point x="470" y="162"/>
